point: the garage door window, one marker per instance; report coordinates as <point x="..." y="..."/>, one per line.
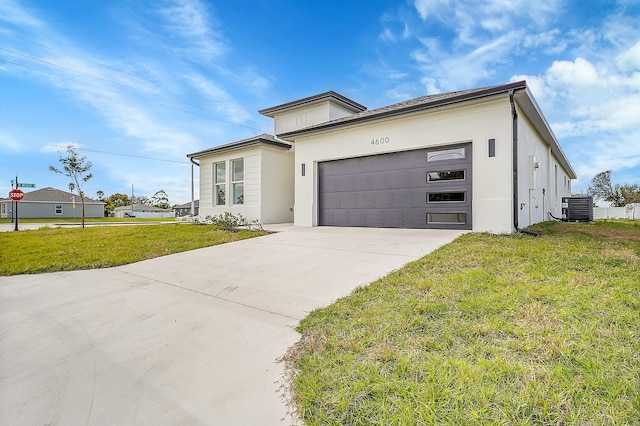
<point x="446" y="154"/>
<point x="447" y="218"/>
<point x="446" y="197"/>
<point x="445" y="175"/>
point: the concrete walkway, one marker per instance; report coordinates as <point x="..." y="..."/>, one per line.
<point x="190" y="338"/>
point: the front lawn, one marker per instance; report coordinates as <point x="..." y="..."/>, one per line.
<point x="491" y="329"/>
<point x="58" y="249"/>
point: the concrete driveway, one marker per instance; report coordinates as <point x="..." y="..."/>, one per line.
<point x="190" y="338"/>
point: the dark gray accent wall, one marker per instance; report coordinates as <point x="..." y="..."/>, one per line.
<point x="389" y="191"/>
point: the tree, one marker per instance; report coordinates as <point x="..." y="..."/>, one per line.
<point x="141" y="199"/>
<point x="116" y="200"/>
<point x="77" y="168"/>
<point x="619" y="196"/>
<point x="100" y="195"/>
<point x="160" y="199"/>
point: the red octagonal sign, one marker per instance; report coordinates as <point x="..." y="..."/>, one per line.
<point x="16" y="195"/>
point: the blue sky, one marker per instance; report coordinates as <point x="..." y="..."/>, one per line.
<point x="136" y="85"/>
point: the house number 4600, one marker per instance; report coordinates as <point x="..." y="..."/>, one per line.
<point x="380" y="141"/>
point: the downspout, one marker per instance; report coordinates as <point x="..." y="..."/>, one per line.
<point x="193" y="203"/>
<point x="514" y="133"/>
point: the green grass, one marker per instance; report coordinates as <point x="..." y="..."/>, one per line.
<point x="487" y="330"/>
<point x="68" y="220"/>
<point x="58" y="249"/>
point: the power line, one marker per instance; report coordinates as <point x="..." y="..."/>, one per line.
<point x="126" y="155"/>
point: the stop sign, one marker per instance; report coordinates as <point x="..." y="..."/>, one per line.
<point x="16" y="195"/>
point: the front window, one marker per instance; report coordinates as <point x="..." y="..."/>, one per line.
<point x="58" y="208"/>
<point x="237" y="180"/>
<point x="219" y="186"/>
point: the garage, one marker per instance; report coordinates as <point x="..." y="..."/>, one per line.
<point x="423" y="188"/>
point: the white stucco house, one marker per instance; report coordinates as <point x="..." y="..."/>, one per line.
<point x="482" y="159"/>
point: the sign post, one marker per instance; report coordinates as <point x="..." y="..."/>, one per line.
<point x="16" y="195"/>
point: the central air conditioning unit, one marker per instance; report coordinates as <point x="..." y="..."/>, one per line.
<point x="577" y="209"/>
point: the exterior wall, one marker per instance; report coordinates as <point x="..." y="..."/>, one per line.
<point x="492" y="188"/>
<point x="542" y="181"/>
<point x="33" y="209"/>
<point x="277" y="186"/>
<point x="301" y="117"/>
<point x="252" y="169"/>
<point x="268" y="184"/>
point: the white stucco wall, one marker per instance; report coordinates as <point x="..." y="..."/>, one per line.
<point x="542" y="181"/>
<point x="252" y="196"/>
<point x="305" y="116"/>
<point x="268" y="180"/>
<point x="277" y="185"/>
<point x="492" y="183"/>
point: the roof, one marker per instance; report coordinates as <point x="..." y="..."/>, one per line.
<point x="333" y="96"/>
<point x="52" y="195"/>
<point x="522" y="96"/>
<point x="141" y="208"/>
<point x="412" y="105"/>
<point x="263" y="139"/>
<point x="196" y="203"/>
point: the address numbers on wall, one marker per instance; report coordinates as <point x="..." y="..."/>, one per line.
<point x="380" y="141"/>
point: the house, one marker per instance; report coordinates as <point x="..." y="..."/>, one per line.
<point x="142" y="211"/>
<point x="481" y="159"/>
<point x="52" y="203"/>
<point x="185" y="209"/>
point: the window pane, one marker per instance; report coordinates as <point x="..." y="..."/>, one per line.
<point x="453" y="218"/>
<point x="447" y="175"/>
<point x="445" y="197"/>
<point x="220" y="175"/>
<point x="220" y="195"/>
<point x="446" y="154"/>
<point x="238" y="193"/>
<point x="238" y="170"/>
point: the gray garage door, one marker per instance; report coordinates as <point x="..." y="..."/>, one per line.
<point x="426" y="188"/>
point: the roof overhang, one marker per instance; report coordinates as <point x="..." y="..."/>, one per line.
<point x="527" y="103"/>
<point x="262" y="140"/>
<point x="403" y="109"/>
<point x="334" y="97"/>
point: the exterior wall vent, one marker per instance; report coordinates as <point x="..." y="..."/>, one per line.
<point x="577" y="209"/>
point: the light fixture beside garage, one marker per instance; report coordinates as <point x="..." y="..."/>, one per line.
<point x="492" y="147"/>
<point x="303" y="169"/>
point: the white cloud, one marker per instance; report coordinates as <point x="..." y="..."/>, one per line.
<point x="18" y="15"/>
<point x="629" y="60"/>
<point x="190" y="21"/>
<point x="8" y="142"/>
<point x="579" y="73"/>
<point x="60" y="147"/>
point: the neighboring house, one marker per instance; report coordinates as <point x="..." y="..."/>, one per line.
<point x="481" y="159"/>
<point x="52" y="203"/>
<point x="142" y="211"/>
<point x="185" y="209"/>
